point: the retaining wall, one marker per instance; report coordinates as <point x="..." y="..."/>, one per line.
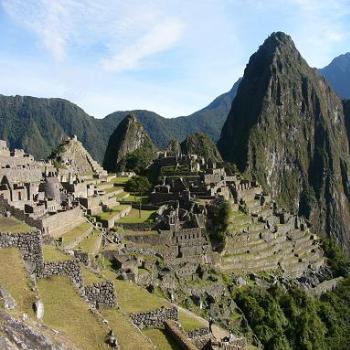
<point x="179" y="336"/>
<point x="101" y="294"/>
<point x="155" y="318"/>
<point x="29" y="244"/>
<point x="68" y="268"/>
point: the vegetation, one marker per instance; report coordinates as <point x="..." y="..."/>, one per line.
<point x="129" y="337"/>
<point x="292" y="319"/>
<point x="201" y="145"/>
<point x="138" y="184"/>
<point x="76" y="233"/>
<point x="14" y="278"/>
<point x="91" y="243"/>
<point x="137" y="216"/>
<point x="66" y="311"/>
<point x="338" y="260"/>
<point x="12" y="225"/>
<point x="51" y="253"/>
<point x="220" y="219"/>
<point x="161" y="339"/>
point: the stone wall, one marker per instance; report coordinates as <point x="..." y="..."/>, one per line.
<point x="144" y="226"/>
<point x="199" y="332"/>
<point x="153" y="239"/>
<point x="68" y="268"/>
<point x="29" y="244"/>
<point x="155" y="318"/>
<point x="179" y="336"/>
<point x="82" y="257"/>
<point x="111" y="222"/>
<point x="101" y="294"/>
<point x="19" y="214"/>
<point x="56" y="225"/>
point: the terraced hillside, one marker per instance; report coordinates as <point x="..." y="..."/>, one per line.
<point x="263" y="238"/>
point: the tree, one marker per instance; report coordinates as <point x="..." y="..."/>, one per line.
<point x="138" y="184"/>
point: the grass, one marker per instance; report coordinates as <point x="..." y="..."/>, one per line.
<point x="189" y="323"/>
<point x="133" y="217"/>
<point x="68" y="313"/>
<point x="91" y="244"/>
<point x="51" y="253"/>
<point x="128" y="336"/>
<point x="161" y="340"/>
<point x="12" y="225"/>
<point x="74" y="234"/>
<point x="112" y="189"/>
<point x="120" y="180"/>
<point x="136" y="198"/>
<point x="109" y="214"/>
<point x="132" y="298"/>
<point x="14" y="278"/>
<point x="89" y="277"/>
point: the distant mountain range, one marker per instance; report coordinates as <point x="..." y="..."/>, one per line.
<point x="38" y="124"/>
<point x="337" y="74"/>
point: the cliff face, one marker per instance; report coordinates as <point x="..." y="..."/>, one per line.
<point x="129" y="147"/>
<point x="286" y="127"/>
<point x="201" y="145"/>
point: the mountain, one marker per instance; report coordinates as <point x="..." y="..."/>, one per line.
<point x="346" y="106"/>
<point x="38" y="124"/>
<point x="72" y="155"/>
<point x="129" y="147"/>
<point x="286" y="127"/>
<point x="337" y="74"/>
<point x="208" y="120"/>
<point x="201" y="145"/>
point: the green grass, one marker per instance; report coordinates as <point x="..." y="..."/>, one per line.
<point x="109" y="214"/>
<point x="74" y="234"/>
<point x="91" y="243"/>
<point x="120" y="180"/>
<point x="67" y="312"/>
<point x="189" y="323"/>
<point x="161" y="339"/>
<point x="112" y="189"/>
<point x="12" y="225"/>
<point x="51" y="253"/>
<point x="133" y="217"/>
<point x="136" y="198"/>
<point x="132" y="298"/>
<point x="89" y="277"/>
<point x="14" y="278"/>
<point x="128" y="336"/>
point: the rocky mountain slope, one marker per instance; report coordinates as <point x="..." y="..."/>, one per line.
<point x="201" y="145"/>
<point x="286" y="128"/>
<point x="38" y="124"/>
<point x="129" y="147"/>
<point x="337" y="74"/>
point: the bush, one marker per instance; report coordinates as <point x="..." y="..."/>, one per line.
<point x="138" y="184"/>
<point x="338" y="260"/>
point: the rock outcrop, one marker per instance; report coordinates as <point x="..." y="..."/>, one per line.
<point x="201" y="145"/>
<point x="287" y="128"/>
<point x="129" y="147"/>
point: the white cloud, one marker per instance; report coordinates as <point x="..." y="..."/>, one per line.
<point x="162" y="36"/>
<point x="129" y="31"/>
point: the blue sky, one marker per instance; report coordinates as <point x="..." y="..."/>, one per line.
<point x="169" y="56"/>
